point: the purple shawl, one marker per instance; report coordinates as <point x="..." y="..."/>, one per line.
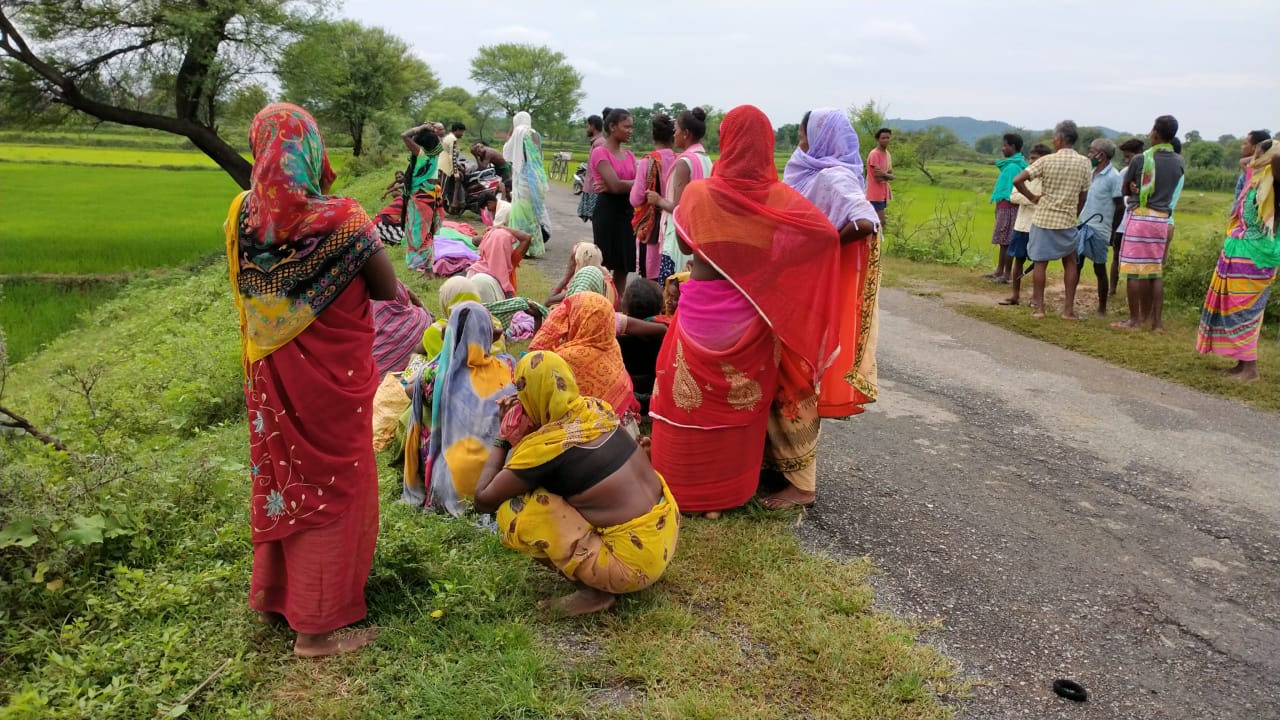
<point x="830" y="173"/>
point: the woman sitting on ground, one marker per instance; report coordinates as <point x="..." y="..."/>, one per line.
<point x="640" y="334"/>
<point x="582" y="331"/>
<point x="584" y="255"/>
<point x="576" y="494"/>
<point x="454" y="416"/>
<point x="501" y="252"/>
<point x="398" y="326"/>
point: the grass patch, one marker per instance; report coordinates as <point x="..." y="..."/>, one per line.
<point x="32" y="312"/>
<point x="1171" y="356"/>
<point x="125" y="622"/>
<point x="124" y="157"/>
<point x="84" y="220"/>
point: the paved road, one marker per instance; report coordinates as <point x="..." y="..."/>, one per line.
<point x="1061" y="516"/>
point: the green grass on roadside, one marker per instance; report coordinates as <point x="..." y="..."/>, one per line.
<point x="746" y="624"/>
<point x="125" y="157"/>
<point x="1171" y="355"/>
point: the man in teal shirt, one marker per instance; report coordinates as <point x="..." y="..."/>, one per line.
<point x="1006" y="212"/>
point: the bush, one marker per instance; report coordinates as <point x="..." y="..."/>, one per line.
<point x="1212" y="179"/>
<point x="1189" y="271"/>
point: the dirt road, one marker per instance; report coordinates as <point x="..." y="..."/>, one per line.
<point x="1061" y="517"/>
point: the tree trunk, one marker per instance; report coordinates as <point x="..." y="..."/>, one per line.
<point x="357" y="141"/>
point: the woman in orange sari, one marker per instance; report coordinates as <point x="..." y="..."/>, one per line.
<point x="754" y="330"/>
<point x="827" y="169"/>
<point x="304" y="266"/>
<point x="583" y="331"/>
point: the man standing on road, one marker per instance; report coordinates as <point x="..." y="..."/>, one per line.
<point x="1155" y="179"/>
<point x="1006" y="212"/>
<point x="1103" y="209"/>
<point x="880" y="173"/>
<point x="451" y="166"/>
<point x="1065" y="179"/>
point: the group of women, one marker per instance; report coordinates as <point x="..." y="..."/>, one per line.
<point x="775" y="328"/>
<point x="416" y="213"/>
<point x="634" y="201"/>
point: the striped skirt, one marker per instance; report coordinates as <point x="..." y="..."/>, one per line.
<point x="1232" y="316"/>
<point x="1146" y="237"/>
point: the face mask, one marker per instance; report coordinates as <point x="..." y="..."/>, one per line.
<point x="1095" y="161"/>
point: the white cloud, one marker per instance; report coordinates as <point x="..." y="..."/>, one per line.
<point x="518" y="34"/>
<point x="901" y="32"/>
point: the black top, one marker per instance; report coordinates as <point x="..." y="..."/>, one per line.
<point x="579" y="469"/>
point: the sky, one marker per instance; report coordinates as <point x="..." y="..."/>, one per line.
<point x="1115" y="63"/>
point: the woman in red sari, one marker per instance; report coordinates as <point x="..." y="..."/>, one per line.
<point x="303" y="268"/>
<point x="755" y="329"/>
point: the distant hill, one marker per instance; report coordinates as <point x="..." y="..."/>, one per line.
<point x="966" y="128"/>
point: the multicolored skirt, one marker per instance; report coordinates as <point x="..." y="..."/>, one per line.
<point x="1232" y="316"/>
<point x="1146" y="237"/>
<point x="1006" y="214"/>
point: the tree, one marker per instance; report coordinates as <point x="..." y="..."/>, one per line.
<point x="1203" y="154"/>
<point x="1088" y="134"/>
<point x="449" y="105"/>
<point x="1231" y="153"/>
<point x="535" y="79"/>
<point x="1224" y="139"/>
<point x="93" y="57"/>
<point x="346" y="73"/>
<point x="245" y="102"/>
<point x="486" y="111"/>
<point x="867" y="119"/>
<point x="787" y="136"/>
<point x="1193" y="136"/>
<point x="927" y="145"/>
<point x="989" y="144"/>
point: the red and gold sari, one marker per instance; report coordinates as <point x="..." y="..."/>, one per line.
<point x="744" y="355"/>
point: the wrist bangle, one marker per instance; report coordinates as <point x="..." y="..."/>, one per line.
<point x="501" y="444"/>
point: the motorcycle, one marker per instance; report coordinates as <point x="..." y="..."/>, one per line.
<point x="579" y="178"/>
<point x="477" y="184"/>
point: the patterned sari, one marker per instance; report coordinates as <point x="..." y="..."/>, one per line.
<point x="1232" y="316"/>
<point x="581" y="330"/>
<point x="616" y="559"/>
<point x="294" y="257"/>
<point x="454" y="416"/>
<point x="782" y="256"/>
<point x="528" y="183"/>
<point x="423" y="212"/>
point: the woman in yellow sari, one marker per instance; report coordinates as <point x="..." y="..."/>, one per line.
<point x="576" y="494"/>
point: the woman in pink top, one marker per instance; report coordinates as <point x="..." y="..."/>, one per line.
<point x="692" y="164"/>
<point x="652" y="173"/>
<point x="615" y="170"/>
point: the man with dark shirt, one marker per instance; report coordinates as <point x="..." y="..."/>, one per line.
<point x="1154" y="180"/>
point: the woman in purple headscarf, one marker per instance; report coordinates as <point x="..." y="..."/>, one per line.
<point x="827" y="169"/>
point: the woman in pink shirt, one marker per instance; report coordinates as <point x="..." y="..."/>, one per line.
<point x="652" y="174"/>
<point x="615" y="170"/>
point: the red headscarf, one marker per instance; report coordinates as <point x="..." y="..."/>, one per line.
<point x="290" y="167"/>
<point x="767" y="239"/>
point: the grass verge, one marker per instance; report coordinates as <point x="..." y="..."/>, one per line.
<point x="33" y="312"/>
<point x="1171" y="356"/>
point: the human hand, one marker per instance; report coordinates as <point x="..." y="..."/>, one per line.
<point x="534" y="310"/>
<point x="652" y="197"/>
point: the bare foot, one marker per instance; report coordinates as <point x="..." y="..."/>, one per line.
<point x="583" y="602"/>
<point x="713" y="515"/>
<point x="334" y="643"/>
<point x="1244" y="375"/>
<point x="1124" y="325"/>
<point x="1159" y="330"/>
<point x="1009" y="301"/>
<point x="646" y="444"/>
<point x="270" y="618"/>
<point x="1102" y="313"/>
<point x="788" y="498"/>
<point x="1037" y="313"/>
<point x="1071" y="316"/>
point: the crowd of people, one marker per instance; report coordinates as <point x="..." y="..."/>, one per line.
<point x="726" y="309"/>
<point x="1076" y="209"/>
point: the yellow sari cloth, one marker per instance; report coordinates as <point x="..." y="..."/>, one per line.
<point x="618" y="559"/>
